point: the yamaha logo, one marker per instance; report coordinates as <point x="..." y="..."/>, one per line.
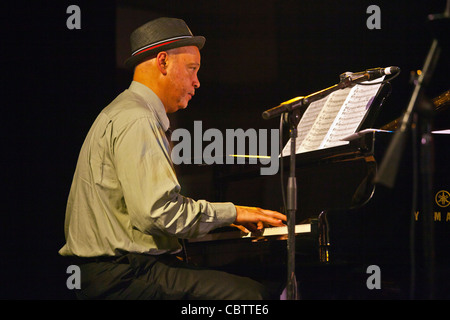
<point x="442" y="198"/>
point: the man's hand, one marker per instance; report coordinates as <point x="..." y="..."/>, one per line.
<point x="254" y="219"/>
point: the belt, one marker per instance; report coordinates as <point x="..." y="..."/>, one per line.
<point x="83" y="260"/>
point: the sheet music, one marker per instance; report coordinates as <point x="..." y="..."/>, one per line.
<point x="324" y="120"/>
<point x="328" y="121"/>
<point x="305" y="124"/>
<point x="351" y="114"/>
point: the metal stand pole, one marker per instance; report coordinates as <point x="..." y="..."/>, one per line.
<point x="292" y="292"/>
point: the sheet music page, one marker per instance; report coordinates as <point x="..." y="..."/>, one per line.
<point x="305" y="124"/>
<point x="324" y="120"/>
<point x="351" y="114"/>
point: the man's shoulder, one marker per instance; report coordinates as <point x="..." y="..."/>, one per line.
<point x="127" y="107"/>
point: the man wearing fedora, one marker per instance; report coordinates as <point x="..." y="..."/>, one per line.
<point x="125" y="214"/>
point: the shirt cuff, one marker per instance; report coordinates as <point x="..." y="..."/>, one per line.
<point x="225" y="213"/>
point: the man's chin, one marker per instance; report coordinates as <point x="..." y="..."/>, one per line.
<point x="180" y="107"/>
<point x="183" y="106"/>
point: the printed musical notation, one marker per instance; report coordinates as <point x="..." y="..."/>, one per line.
<point x="327" y="121"/>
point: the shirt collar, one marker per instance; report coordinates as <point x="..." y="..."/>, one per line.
<point x="153" y="102"/>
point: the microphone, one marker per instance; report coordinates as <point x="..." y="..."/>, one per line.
<point x="370" y="74"/>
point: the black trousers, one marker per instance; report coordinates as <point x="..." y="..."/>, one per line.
<point x="144" y="277"/>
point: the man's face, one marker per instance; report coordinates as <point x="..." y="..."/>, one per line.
<point x="182" y="70"/>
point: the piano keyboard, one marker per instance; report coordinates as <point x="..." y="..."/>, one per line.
<point x="266" y="232"/>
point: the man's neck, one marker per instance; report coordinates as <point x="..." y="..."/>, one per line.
<point x="153" y="85"/>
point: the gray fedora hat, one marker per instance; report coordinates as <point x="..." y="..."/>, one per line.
<point x="159" y="35"/>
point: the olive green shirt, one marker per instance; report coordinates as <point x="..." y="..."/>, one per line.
<point x="125" y="196"/>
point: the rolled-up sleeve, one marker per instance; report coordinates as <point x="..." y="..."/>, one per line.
<point x="151" y="189"/>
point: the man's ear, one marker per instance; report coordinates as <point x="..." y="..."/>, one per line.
<point x="161" y="62"/>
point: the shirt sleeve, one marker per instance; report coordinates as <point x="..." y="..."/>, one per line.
<point x="151" y="189"/>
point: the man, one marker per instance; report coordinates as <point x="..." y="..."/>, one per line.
<point x="125" y="214"/>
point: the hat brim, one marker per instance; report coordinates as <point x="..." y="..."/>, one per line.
<point x="133" y="61"/>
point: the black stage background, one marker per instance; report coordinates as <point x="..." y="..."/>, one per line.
<point x="257" y="54"/>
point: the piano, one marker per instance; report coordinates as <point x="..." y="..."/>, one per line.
<point x="344" y="223"/>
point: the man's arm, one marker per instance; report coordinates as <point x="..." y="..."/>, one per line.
<point x="151" y="189"/>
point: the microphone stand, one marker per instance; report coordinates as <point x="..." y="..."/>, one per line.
<point x="419" y="107"/>
<point x="304" y="102"/>
<point x="389" y="166"/>
<point x="291" y="208"/>
<point x="295" y="112"/>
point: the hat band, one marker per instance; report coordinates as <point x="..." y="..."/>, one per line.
<point x="158" y="44"/>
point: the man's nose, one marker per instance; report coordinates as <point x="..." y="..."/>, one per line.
<point x="196" y="83"/>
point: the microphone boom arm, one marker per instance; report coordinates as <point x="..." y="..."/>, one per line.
<point x="299" y="102"/>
